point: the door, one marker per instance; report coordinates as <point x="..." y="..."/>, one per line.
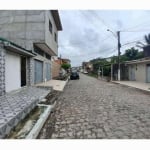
<point x="38" y="71"/>
<point x="132" y="73"/>
<point x="12" y="72"/>
<point x="23" y="71"/>
<point x="148" y="73"/>
<point x="48" y="71"/>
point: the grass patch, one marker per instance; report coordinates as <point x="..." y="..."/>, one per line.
<point x="93" y="75"/>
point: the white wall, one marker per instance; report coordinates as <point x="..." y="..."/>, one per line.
<point x="13" y="72"/>
<point x="140" y="74"/>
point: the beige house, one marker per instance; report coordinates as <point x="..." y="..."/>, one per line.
<point x="139" y="70"/>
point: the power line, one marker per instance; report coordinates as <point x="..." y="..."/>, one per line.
<point x="87" y="18"/>
<point x="93" y="53"/>
<point x="135" y="26"/>
<point x="78" y="44"/>
<point x="143" y="30"/>
<point x="100" y="19"/>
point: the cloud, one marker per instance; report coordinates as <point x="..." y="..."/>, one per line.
<point x="85" y="34"/>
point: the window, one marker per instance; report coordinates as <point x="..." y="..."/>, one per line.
<point x="48" y="56"/>
<point x="50" y="26"/>
<point x="55" y="37"/>
<point x="38" y="51"/>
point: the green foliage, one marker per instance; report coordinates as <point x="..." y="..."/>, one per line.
<point x="130" y="54"/>
<point x="66" y="66"/>
<point x="99" y="63"/>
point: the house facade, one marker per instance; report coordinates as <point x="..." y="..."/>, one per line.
<point x="35" y="32"/>
<point x="139" y="70"/>
<point x="87" y="66"/>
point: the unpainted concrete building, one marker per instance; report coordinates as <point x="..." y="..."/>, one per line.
<point x="34" y="32"/>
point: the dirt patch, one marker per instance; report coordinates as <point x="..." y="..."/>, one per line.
<point x="49" y="126"/>
<point x="25" y="126"/>
<point x="51" y="98"/>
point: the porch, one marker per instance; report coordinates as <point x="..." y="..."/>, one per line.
<point x="57" y="85"/>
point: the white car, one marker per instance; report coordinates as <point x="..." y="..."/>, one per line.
<point x="85" y="72"/>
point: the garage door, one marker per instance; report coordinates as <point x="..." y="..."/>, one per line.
<point x="48" y="76"/>
<point x="38" y="71"/>
<point x="13" y="72"/>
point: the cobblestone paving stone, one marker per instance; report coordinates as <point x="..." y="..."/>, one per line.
<point x="94" y="109"/>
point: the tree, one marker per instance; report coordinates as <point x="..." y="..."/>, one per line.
<point x="131" y="53"/>
<point x="147" y="39"/>
<point x="66" y="66"/>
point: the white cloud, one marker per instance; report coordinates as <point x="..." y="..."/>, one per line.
<point x="85" y="34"/>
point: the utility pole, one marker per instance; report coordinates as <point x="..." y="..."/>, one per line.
<point x="119" y="46"/>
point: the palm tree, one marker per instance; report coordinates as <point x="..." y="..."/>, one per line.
<point x="147" y="39"/>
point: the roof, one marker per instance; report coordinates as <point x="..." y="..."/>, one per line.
<point x="143" y="60"/>
<point x="8" y="45"/>
<point x="56" y="17"/>
<point x="65" y="59"/>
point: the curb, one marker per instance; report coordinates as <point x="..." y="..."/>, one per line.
<point x="42" y="119"/>
<point x="142" y="90"/>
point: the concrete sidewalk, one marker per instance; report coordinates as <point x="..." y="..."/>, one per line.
<point x="57" y="85"/>
<point x="135" y="84"/>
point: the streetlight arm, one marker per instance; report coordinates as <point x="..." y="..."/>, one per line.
<point x="112" y="33"/>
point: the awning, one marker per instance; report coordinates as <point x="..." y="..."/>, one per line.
<point x="10" y="46"/>
<point x="18" y="50"/>
<point x="45" y="48"/>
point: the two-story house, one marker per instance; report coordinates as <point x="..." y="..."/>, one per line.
<point x="29" y="38"/>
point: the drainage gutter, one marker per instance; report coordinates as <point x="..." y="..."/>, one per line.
<point x="38" y="126"/>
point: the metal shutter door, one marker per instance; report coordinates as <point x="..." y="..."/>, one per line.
<point x="38" y="71"/>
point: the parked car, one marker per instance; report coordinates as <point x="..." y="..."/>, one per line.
<point x="74" y="75"/>
<point x="85" y="72"/>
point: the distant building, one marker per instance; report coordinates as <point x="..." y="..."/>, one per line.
<point x="135" y="70"/>
<point x="87" y="66"/>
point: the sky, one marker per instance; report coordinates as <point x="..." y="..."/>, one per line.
<point x="85" y="36"/>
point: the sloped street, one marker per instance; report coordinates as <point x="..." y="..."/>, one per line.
<point x="89" y="108"/>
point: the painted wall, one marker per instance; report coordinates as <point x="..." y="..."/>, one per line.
<point x="13" y="72"/>
<point x="140" y="72"/>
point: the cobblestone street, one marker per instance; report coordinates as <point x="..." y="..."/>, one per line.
<point x="89" y="108"/>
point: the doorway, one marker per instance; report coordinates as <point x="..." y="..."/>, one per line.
<point x="23" y="71"/>
<point x="148" y="73"/>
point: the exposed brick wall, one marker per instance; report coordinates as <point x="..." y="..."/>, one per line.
<point x="2" y="71"/>
<point x="55" y="69"/>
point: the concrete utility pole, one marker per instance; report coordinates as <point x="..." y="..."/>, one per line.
<point x="119" y="46"/>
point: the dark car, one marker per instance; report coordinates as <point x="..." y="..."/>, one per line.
<point x="74" y="75"/>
